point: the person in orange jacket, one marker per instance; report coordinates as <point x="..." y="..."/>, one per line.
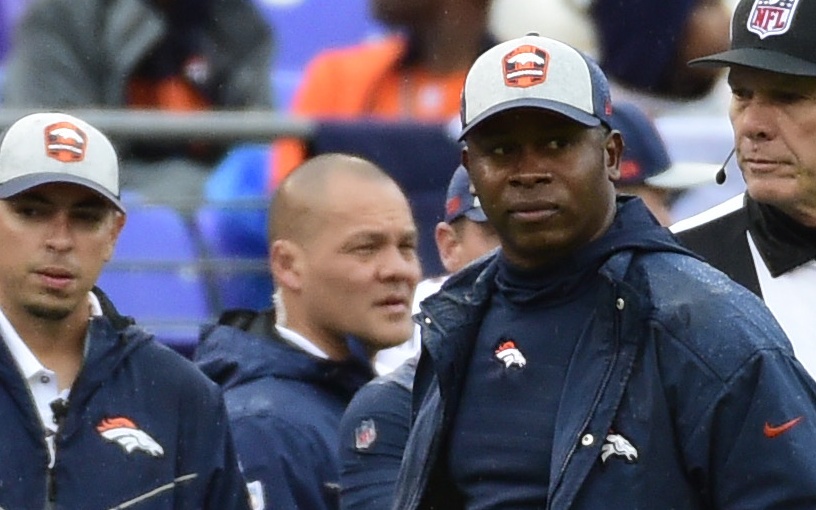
<point x="416" y="74"/>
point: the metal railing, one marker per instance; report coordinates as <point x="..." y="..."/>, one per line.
<point x="218" y="125"/>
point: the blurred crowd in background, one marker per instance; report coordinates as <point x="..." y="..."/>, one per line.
<point x="381" y="78"/>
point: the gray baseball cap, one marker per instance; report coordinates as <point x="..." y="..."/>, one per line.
<point x="538" y="72"/>
<point x="43" y="148"/>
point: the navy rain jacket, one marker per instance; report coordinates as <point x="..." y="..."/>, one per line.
<point x="284" y="406"/>
<point x="683" y="393"/>
<point x="144" y="429"/>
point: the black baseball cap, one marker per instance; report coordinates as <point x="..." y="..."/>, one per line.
<point x="772" y="35"/>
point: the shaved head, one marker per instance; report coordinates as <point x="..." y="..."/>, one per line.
<point x="343" y="254"/>
<point x="295" y="212"/>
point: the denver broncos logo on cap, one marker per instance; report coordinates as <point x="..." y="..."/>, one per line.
<point x="453" y="205"/>
<point x="525" y="66"/>
<point x="65" y="142"/>
<point x="125" y="433"/>
<point x="771" y="17"/>
<point x="630" y="170"/>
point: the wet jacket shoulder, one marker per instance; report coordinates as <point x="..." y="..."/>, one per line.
<point x="679" y="363"/>
<point x="284" y="406"/>
<point x="373" y="433"/>
<point x="142" y="422"/>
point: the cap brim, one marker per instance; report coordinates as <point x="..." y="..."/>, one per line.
<point x="476" y="214"/>
<point x="18" y="185"/>
<point x="568" y="111"/>
<point x="685" y="175"/>
<point x="758" y="58"/>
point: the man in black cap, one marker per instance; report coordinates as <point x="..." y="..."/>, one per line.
<point x="766" y="238"/>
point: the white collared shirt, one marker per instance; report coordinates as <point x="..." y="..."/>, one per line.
<point x="41" y="381"/>
<point x="300" y="341"/>
<point x="304" y="344"/>
<point x="387" y="360"/>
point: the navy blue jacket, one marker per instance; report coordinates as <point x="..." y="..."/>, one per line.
<point x="142" y="424"/>
<point x="373" y="433"/>
<point x="683" y="391"/>
<point x="284" y="406"/>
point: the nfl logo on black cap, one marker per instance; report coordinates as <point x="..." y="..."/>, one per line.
<point x="769" y="17"/>
<point x="772" y="35"/>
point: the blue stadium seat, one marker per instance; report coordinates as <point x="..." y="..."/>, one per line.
<point x="302" y="28"/>
<point x="240" y="272"/>
<point x="232" y="227"/>
<point x="154" y="275"/>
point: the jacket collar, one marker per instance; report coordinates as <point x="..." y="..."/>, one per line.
<point x="783" y="243"/>
<point x="245" y="346"/>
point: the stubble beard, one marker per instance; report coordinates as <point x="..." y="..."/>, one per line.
<point x="51" y="314"/>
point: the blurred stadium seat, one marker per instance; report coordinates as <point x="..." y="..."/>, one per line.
<point x="10" y="13"/>
<point x="154" y="275"/>
<point x="232" y="226"/>
<point x="302" y="28"/>
<point x="238" y="262"/>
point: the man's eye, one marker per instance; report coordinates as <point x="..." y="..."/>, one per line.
<point x="740" y="93"/>
<point x="29" y="211"/>
<point x="408" y="246"/>
<point x="90" y="216"/>
<point x="364" y="249"/>
<point x="500" y="150"/>
<point x="788" y="97"/>
<point x="557" y="143"/>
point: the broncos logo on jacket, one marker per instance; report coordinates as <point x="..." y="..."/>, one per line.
<point x="618" y="445"/>
<point x="126" y="434"/>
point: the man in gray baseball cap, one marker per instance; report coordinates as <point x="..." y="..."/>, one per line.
<point x="766" y="238"/>
<point x="47" y="148"/>
<point x="591" y="361"/>
<point x="89" y="400"/>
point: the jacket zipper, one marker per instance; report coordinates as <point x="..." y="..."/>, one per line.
<point x="604" y="383"/>
<point x="60" y="409"/>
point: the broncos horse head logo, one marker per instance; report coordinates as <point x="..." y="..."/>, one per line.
<point x="618" y="445"/>
<point x="126" y="434"/>
<point x="508" y="353"/>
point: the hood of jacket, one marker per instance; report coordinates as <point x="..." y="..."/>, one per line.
<point x="244" y="346"/>
<point x="112" y="338"/>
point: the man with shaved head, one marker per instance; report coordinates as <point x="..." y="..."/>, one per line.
<point x="343" y="259"/>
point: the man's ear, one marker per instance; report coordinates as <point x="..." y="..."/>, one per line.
<point x="448" y="245"/>
<point x="118" y="222"/>
<point x="286" y="263"/>
<point x="613" y="154"/>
